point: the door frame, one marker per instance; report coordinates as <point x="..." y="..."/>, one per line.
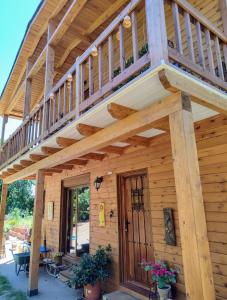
<point x="136" y="286"/>
<point x="67" y="184"/>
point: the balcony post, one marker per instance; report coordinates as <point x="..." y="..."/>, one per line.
<point x="28" y="91"/>
<point x="36" y="235"/>
<point x="78" y="87"/>
<point x="49" y="74"/>
<point x="2" y="211"/>
<point x="156" y="31"/>
<point x="191" y="213"/>
<point x="4" y="122"/>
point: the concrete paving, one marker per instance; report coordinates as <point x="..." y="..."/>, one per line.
<point x="50" y="288"/>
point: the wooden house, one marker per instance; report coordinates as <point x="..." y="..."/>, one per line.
<point x="127" y="100"/>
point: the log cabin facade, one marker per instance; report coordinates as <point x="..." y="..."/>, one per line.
<point x="133" y="92"/>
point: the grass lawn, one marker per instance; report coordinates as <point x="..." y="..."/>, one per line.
<point x="9" y="292"/>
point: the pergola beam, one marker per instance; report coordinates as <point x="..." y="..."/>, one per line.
<point x="65" y="142"/>
<point x="118" y="131"/>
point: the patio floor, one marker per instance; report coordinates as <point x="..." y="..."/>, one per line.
<point x="49" y="287"/>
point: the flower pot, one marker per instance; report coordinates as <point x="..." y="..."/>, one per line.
<point x="92" y="292"/>
<point x="164" y="293"/>
<point x="58" y="260"/>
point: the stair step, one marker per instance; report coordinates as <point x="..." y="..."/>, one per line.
<point x="118" y="295"/>
<point x="65" y="275"/>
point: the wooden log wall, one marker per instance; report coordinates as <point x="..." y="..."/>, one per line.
<point x="211" y="137"/>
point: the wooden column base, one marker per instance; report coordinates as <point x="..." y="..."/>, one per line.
<point x="31" y="293"/>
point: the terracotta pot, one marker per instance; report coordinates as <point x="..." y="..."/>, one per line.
<point x="58" y="260"/>
<point x="92" y="292"/>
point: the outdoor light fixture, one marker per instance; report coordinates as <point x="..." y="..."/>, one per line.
<point x="94" y="51"/>
<point x="127" y="22"/>
<point x="98" y="181"/>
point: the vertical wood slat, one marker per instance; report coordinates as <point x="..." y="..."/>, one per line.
<point x="64" y="98"/>
<point x="200" y="44"/>
<point x="122" y="48"/>
<point x="219" y="58"/>
<point x="189" y="36"/>
<point x="177" y="28"/>
<point x="81" y="83"/>
<point x="54" y="110"/>
<point x="209" y="52"/>
<point x="70" y="93"/>
<point x="110" y="56"/>
<point x="100" y="58"/>
<point x="134" y="37"/>
<point x="59" y="103"/>
<point x="91" y="75"/>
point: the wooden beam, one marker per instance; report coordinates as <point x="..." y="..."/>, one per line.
<point x="49" y="150"/>
<point x="87" y="130"/>
<point x="191" y="213"/>
<point x="26" y="163"/>
<point x="11" y="171"/>
<point x="5" y="174"/>
<point x="80" y="162"/>
<point x="63" y="167"/>
<point x="52" y="170"/>
<point x="123" y="129"/>
<point x="37" y="157"/>
<point x="65" y="142"/>
<point x="66" y="21"/>
<point x="112" y="149"/>
<point x="119" y="112"/>
<point x="138" y="141"/>
<point x="36" y="235"/>
<point x="2" y="211"/>
<point x="18" y="167"/>
<point x="94" y="156"/>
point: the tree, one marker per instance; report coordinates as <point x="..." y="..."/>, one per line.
<point x="20" y="196"/>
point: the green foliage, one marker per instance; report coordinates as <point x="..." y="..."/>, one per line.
<point x="83" y="204"/>
<point x="17" y="219"/>
<point x="92" y="268"/>
<point x="20" y="196"/>
<point x="7" y="290"/>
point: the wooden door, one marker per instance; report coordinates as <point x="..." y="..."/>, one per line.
<point x="135" y="226"/>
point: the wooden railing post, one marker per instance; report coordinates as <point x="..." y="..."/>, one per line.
<point x="4" y="122"/>
<point x="191" y="213"/>
<point x="156" y="31"/>
<point x="49" y="75"/>
<point x="28" y="91"/>
<point x="78" y="87"/>
<point x="36" y="235"/>
<point x="2" y="211"/>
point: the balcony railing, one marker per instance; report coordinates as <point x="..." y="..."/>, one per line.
<point x="122" y="52"/>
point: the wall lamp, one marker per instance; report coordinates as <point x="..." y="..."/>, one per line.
<point x="98" y="181"/>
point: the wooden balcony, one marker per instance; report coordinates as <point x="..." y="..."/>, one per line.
<point x="175" y="34"/>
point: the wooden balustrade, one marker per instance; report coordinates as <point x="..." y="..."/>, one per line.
<point x="124" y="50"/>
<point x="197" y="45"/>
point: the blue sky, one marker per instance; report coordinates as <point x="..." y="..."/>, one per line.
<point x="14" y="17"/>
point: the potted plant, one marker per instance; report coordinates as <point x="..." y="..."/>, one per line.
<point x="91" y="270"/>
<point x="163" y="276"/>
<point x="58" y="258"/>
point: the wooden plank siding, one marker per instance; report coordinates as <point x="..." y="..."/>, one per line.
<point x="157" y="159"/>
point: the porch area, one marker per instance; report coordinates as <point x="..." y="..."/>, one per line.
<point x="49" y="287"/>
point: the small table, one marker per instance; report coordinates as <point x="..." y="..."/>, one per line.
<point x="53" y="269"/>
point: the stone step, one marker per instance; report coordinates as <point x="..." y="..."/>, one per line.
<point x="118" y="295"/>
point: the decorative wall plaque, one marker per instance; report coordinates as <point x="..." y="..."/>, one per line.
<point x="170" y="236"/>
<point x="102" y="214"/>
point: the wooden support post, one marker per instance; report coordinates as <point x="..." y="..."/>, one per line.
<point x="36" y="235"/>
<point x="192" y="222"/>
<point x="4" y="122"/>
<point x="49" y="74"/>
<point x="28" y="91"/>
<point x="2" y="210"/>
<point x="156" y="31"/>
